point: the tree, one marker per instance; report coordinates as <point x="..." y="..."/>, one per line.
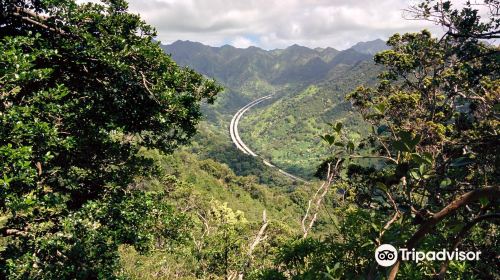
<point x="82" y="88"/>
<point x="221" y="249"/>
<point x="435" y="138"/>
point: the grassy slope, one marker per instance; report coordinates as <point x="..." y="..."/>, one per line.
<point x="287" y="131"/>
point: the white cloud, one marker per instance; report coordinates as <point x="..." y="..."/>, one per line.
<point x="241" y="42"/>
<point x="276" y="23"/>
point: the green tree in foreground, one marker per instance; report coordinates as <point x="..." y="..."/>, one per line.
<point x="82" y="89"/>
<point x="435" y="118"/>
<point x="433" y="180"/>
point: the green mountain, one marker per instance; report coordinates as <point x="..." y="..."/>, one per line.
<point x="287" y="131"/>
<point x="309" y="86"/>
<point x="296" y="64"/>
<point x="370" y="47"/>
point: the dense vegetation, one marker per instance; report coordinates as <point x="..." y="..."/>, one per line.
<point x="306" y="113"/>
<point x="309" y="87"/>
<point x="83" y="88"/>
<point x="103" y="176"/>
<point x="434" y="181"/>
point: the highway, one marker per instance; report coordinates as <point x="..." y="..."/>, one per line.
<point x="235" y="136"/>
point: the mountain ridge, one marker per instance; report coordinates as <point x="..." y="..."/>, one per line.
<point x="309" y="86"/>
<point x="379" y="43"/>
<point x="294" y="64"/>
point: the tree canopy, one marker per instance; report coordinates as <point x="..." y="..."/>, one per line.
<point x="426" y="176"/>
<point x="91" y="107"/>
<point x="82" y="88"/>
<point x="435" y="138"/>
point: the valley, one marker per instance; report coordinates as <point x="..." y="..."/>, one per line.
<point x="308" y="85"/>
<point x="125" y="158"/>
<point x="238" y="142"/>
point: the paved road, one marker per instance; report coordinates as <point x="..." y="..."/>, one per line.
<point x="235" y="137"/>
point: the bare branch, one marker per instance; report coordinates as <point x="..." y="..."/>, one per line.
<point x="309" y="203"/>
<point x="394" y="218"/>
<point x="307" y="214"/>
<point x="260" y="234"/>
<point x="145" y="82"/>
<point x="258" y="238"/>
<point x="13" y="232"/>
<point x="36" y="19"/>
<point x="325" y="187"/>
<point x="205" y="223"/>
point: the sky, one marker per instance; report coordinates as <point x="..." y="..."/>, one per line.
<point x="271" y="24"/>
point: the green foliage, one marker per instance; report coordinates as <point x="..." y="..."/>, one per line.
<point x="222" y="212"/>
<point x="434" y="119"/>
<point x="434" y="138"/>
<point x="268" y="130"/>
<point x="346" y="253"/>
<point x="212" y="142"/>
<point x="84" y="245"/>
<point x="82" y="89"/>
<point x="221" y="251"/>
<point x="307" y="83"/>
<point x="90" y="104"/>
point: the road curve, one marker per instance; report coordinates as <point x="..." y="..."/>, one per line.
<point x="235" y="137"/>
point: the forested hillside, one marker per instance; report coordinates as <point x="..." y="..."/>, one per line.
<point x="116" y="161"/>
<point x="307" y="114"/>
<point x="248" y="73"/>
<point x="309" y="86"/>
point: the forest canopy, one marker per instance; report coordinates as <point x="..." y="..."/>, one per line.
<point x="434" y="118"/>
<point x="82" y="88"/>
<point x="98" y="181"/>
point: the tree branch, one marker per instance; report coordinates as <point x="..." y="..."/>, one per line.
<point x="260" y="236"/>
<point x="397" y="214"/>
<point x="36" y="19"/>
<point x="13" y="232"/>
<point x="306" y="215"/>
<point x="492" y="192"/>
<point x="325" y="186"/>
<point x="460" y="236"/>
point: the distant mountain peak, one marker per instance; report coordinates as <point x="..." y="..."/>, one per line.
<point x="329" y="49"/>
<point x="227" y="46"/>
<point x="254" y="48"/>
<point x="370" y="47"/>
<point x="298" y="47"/>
<point x="186" y="42"/>
<point x="297" y="50"/>
<point x="235" y="66"/>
